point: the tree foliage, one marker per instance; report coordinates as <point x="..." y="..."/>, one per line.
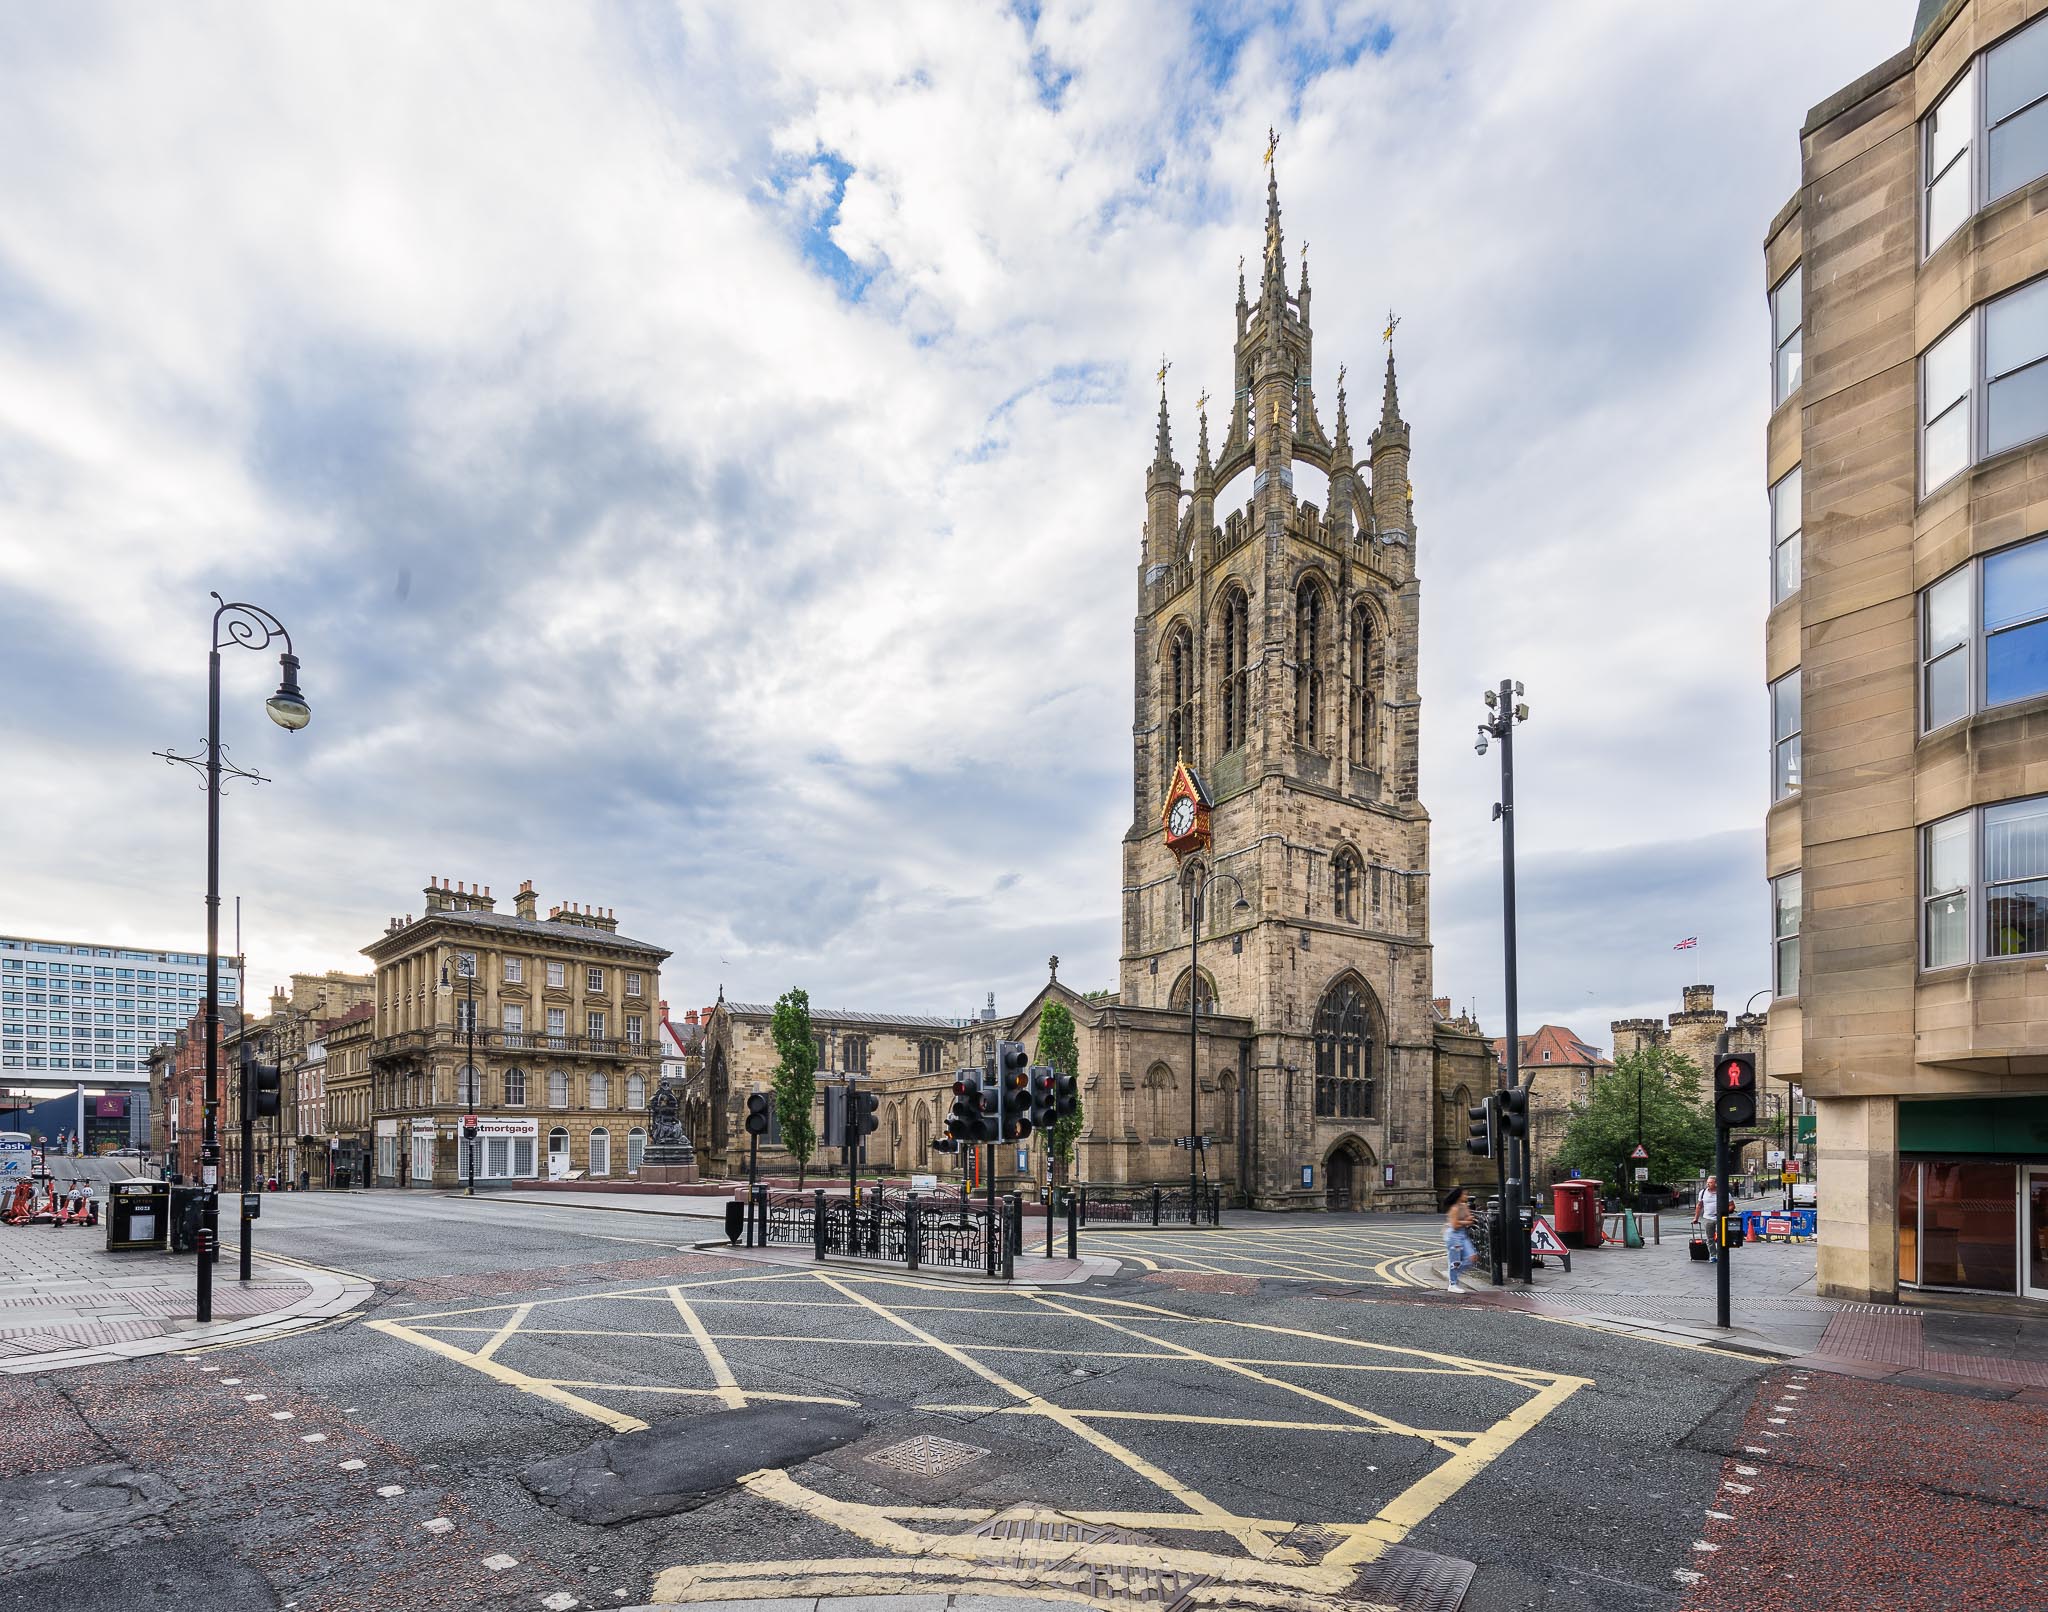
<point x="1677" y="1128"/>
<point x="1057" y="1047"/>
<point x="796" y="1076"/>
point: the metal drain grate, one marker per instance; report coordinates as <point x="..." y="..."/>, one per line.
<point x="926" y="1455"/>
<point x="1414" y="1580"/>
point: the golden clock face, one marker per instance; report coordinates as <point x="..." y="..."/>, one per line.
<point x="1180" y="822"/>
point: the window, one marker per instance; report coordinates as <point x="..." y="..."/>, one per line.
<point x="558" y="1089"/>
<point x="818" y="1046"/>
<point x="556" y="977"/>
<point x="515" y="1088"/>
<point x="558" y="1025"/>
<point x="600" y="1151"/>
<point x="593" y="979"/>
<point x="468" y="1088"/>
<point x="1984" y="634"/>
<point x="931" y="1057"/>
<point x="636" y="1149"/>
<point x="600" y="1090"/>
<point x="1787" y="324"/>
<point x="633" y="1024"/>
<point x="1945" y="891"/>
<point x="1945" y="145"/>
<point x="1344" y="1087"/>
<point x="1786" y="892"/>
<point x="1177" y="678"/>
<point x="465" y="965"/>
<point x="1236" y="668"/>
<point x="558" y="1143"/>
<point x="465" y="1016"/>
<point x="853" y="1051"/>
<point x="1363" y="752"/>
<point x="514" y="1017"/>
<point x="1308" y="664"/>
<point x="515" y="971"/>
<point x="1785" y="735"/>
<point x="636" y="1091"/>
<point x="1945" y="406"/>
<point x="1984" y="384"/>
<point x="633" y="985"/>
<point x="1785" y="520"/>
<point x="1344" y="883"/>
<point x="1988" y="135"/>
<point x="594" y="1026"/>
<point x="2015" y="852"/>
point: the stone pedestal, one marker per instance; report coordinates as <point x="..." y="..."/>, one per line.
<point x="668" y="1162"/>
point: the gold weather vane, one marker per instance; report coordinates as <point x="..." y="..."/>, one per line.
<point x="1304" y="254"/>
<point x="1272" y="145"/>
<point x="1342" y="371"/>
<point x="1387" y="335"/>
<point x="1202" y="403"/>
<point x="1164" y="366"/>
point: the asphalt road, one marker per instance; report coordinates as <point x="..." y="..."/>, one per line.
<point x="1266" y="1410"/>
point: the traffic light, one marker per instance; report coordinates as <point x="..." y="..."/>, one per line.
<point x="1065" y="1097"/>
<point x="1013" y="1091"/>
<point x="1514" y="1111"/>
<point x="1045" y="1101"/>
<point x="266" y="1087"/>
<point x="860" y="1115"/>
<point x="944" y="1144"/>
<point x="964" y="1124"/>
<point x="1479" y="1133"/>
<point x="1734" y="1090"/>
<point x="757" y="1113"/>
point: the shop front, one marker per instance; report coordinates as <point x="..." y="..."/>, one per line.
<point x="505" y="1148"/>
<point x="1973" y="1195"/>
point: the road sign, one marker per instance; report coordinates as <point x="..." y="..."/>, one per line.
<point x="1641" y="1152"/>
<point x="1543" y="1239"/>
<point x="469" y="1120"/>
<point x="1642" y="1172"/>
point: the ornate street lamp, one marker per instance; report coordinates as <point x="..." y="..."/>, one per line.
<point x="251" y="627"/>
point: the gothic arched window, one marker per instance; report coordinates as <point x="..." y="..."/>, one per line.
<point x="1363" y="751"/>
<point x="1343" y="1032"/>
<point x="1308" y="663"/>
<point x="1205" y="1001"/>
<point x="1345" y="878"/>
<point x="1177" y="696"/>
<point x="1237" y="637"/>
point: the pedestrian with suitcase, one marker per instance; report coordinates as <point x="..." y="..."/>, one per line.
<point x="1706" y="1217"/>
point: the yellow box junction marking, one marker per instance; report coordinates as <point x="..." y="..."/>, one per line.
<point x="923" y="1554"/>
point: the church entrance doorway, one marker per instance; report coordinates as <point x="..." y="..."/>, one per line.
<point x="1347" y="1176"/>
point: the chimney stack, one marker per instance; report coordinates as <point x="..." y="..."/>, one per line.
<point x="525" y="901"/>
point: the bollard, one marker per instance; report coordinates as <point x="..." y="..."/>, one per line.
<point x="1155" y="1206"/>
<point x="875" y="1225"/>
<point x="1013" y="1215"/>
<point x="1073" y="1230"/>
<point x="1048" y="1225"/>
<point x="758" y="1233"/>
<point x="818" y="1223"/>
<point x="912" y="1230"/>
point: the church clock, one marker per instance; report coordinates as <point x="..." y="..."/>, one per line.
<point x="1185" y="816"/>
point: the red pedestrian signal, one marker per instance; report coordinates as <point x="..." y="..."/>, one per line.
<point x="1734" y="1090"/>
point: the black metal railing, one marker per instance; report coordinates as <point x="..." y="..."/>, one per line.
<point x="916" y="1232"/>
<point x="1149" y="1206"/>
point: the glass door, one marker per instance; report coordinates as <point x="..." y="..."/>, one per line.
<point x="2034" y="1267"/>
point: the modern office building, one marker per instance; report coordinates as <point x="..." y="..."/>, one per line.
<point x="1906" y="654"/>
<point x="72" y="1010"/>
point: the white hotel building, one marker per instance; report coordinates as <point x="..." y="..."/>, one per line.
<point x="71" y="1011"/>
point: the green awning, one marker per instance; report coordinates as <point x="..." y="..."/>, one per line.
<point x="1996" y="1125"/>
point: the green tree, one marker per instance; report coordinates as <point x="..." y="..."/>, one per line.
<point x="1056" y="1047"/>
<point x="796" y="1076"/>
<point x="1678" y="1130"/>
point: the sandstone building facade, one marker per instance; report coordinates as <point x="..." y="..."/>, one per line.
<point x="567" y="1049"/>
<point x="1907" y="479"/>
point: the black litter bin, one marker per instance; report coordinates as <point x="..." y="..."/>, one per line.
<point x="138" y="1215"/>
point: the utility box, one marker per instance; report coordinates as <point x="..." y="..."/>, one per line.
<point x="138" y="1216"/>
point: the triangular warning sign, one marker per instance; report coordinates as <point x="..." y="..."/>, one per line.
<point x="1542" y="1239"/>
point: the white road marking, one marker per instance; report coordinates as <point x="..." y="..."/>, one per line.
<point x="254" y="1399"/>
<point x="314" y="1438"/>
<point x="1775" y="1421"/>
<point x="560" y="1601"/>
<point x="498" y="1564"/>
<point x="1753" y="1449"/>
<point x="391" y="1489"/>
<point x="230" y="1382"/>
<point x="1722" y="1516"/>
<point x="1746" y="1471"/>
<point x="1738" y="1488"/>
<point x="1701" y="1544"/>
<point x="353" y="1466"/>
<point x="438" y="1525"/>
<point x="1686" y="1575"/>
<point x="280" y="1416"/>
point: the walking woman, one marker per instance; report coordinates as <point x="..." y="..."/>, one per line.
<point x="1458" y="1252"/>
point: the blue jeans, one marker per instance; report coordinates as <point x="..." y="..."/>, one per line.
<point x="1458" y="1251"/>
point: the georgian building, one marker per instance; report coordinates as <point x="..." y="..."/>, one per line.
<point x="1277" y="645"/>
<point x="349" y="1135"/>
<point x="567" y="1047"/>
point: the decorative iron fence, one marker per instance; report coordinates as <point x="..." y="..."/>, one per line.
<point x="1149" y="1206"/>
<point x="915" y="1232"/>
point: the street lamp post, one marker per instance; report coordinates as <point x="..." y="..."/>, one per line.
<point x="1194" y="1009"/>
<point x="1506" y="712"/>
<point x="251" y="627"/>
<point x="470" y="1143"/>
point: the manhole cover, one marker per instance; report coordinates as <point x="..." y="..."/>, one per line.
<point x="1159" y="1587"/>
<point x="927" y="1455"/>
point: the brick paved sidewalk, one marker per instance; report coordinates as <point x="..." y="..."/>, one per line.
<point x="64" y="1300"/>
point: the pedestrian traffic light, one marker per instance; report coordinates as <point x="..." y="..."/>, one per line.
<point x="1013" y="1091"/>
<point x="1734" y="1090"/>
<point x="1479" y="1133"/>
<point x="1045" y="1100"/>
<point x="1514" y="1111"/>
<point x="860" y="1116"/>
<point x="964" y="1124"/>
<point x="757" y="1113"/>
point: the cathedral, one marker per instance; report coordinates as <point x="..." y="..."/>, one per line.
<point x="1276" y="832"/>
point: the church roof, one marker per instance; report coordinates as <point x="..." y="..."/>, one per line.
<point x="917" y="1021"/>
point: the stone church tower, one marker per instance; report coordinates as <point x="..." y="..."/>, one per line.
<point x="1276" y="653"/>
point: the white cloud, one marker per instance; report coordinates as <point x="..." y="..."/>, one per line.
<point x="700" y="457"/>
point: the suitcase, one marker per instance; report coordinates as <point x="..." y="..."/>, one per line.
<point x="1698" y="1248"/>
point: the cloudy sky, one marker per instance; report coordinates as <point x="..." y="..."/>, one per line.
<point x="698" y="451"/>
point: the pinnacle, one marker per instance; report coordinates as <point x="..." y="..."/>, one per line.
<point x="1390" y="404"/>
<point x="1163" y="453"/>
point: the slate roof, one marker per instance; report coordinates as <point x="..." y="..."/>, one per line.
<point x="540" y="928"/>
<point x="919" y="1021"/>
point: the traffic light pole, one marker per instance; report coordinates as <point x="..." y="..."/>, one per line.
<point x="1719" y="1229"/>
<point x="1515" y="1163"/>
